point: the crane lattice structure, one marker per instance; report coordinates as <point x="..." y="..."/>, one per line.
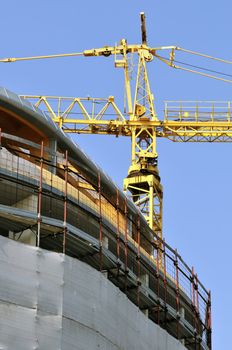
<point x="183" y="122"/>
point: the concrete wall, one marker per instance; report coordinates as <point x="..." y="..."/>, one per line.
<point x="51" y="301"/>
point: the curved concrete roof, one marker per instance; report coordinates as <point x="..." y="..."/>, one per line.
<point x="42" y="122"/>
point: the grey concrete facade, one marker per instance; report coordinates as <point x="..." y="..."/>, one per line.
<point x="52" y="301"/>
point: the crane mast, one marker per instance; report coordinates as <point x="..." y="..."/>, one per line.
<point x="143" y="181"/>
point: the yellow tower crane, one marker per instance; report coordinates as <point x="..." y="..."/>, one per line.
<point x="183" y="122"/>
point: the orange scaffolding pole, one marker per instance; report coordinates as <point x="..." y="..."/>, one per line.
<point x="65" y="200"/>
<point x="125" y="245"/>
<point x="138" y="261"/>
<point x="209" y="322"/>
<point x="118" y="233"/>
<point x="165" y="283"/>
<point x="39" y="206"/>
<point x="158" y="281"/>
<point x="100" y="222"/>
<point x="177" y="292"/>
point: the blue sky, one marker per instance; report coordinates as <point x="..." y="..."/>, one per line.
<point x="196" y="177"/>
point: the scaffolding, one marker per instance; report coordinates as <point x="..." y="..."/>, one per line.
<point x="47" y="201"/>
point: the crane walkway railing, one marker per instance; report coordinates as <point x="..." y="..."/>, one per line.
<point x="198" y="111"/>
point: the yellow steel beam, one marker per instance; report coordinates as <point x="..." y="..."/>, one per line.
<point x="103" y="51"/>
<point x="183" y="126"/>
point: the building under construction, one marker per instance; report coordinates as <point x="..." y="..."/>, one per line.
<point x="91" y="273"/>
<point x="94" y="271"/>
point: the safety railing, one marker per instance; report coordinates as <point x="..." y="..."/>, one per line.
<point x="198" y="111"/>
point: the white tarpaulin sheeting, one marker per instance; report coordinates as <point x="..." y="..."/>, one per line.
<point x="49" y="301"/>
